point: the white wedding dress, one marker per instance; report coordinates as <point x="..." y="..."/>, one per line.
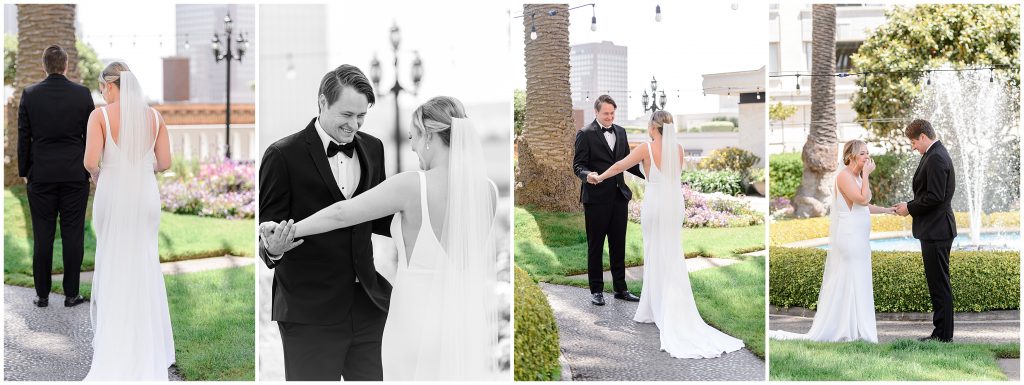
<point x="667" y="299"/>
<point x="440" y="323"/>
<point x="846" y="303"/>
<point x="131" y="323"/>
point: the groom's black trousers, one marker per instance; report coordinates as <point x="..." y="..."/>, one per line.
<point x="350" y="349"/>
<point x="936" y="270"/>
<point x="606" y="220"/>
<point x="47" y="201"/>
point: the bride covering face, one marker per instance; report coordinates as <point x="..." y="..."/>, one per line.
<point x="858" y="165"/>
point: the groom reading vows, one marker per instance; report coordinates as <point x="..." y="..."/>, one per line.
<point x="328" y="300"/>
<point x="52" y="120"/>
<point x="598" y="146"/>
<point x="933" y="221"/>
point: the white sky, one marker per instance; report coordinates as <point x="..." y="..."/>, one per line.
<point x="693" y="38"/>
<point x="463" y="44"/>
<point x="150" y="23"/>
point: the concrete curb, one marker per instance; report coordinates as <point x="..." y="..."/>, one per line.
<point x="992" y="315"/>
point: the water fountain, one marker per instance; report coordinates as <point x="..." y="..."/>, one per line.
<point x="976" y="114"/>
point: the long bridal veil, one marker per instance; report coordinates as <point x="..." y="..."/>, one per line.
<point x="672" y="214"/>
<point x="469" y="304"/>
<point x="136" y="136"/>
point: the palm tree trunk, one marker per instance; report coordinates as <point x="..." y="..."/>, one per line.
<point x="39" y="26"/>
<point x="820" y="152"/>
<point x="544" y="176"/>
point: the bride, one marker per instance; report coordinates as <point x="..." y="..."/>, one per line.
<point x="667" y="299"/>
<point x="846" y="303"/>
<point x="131" y="324"/>
<point x="442" y="321"/>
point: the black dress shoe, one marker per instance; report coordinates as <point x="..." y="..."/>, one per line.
<point x="72" y="301"/>
<point x="41" y="302"/>
<point x="933" y="338"/>
<point x="626" y="295"/>
<point x="598" y="299"/>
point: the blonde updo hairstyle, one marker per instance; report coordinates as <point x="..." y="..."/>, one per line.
<point x="436" y="115"/>
<point x="660" y="119"/>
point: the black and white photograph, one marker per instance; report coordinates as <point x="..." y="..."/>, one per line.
<point x="384" y="193"/>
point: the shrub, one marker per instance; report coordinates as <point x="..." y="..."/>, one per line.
<point x="536" y="333"/>
<point x="222" y="189"/>
<point x="714" y="210"/>
<point x="981" y="280"/>
<point x="756" y="175"/>
<point x="784" y="173"/>
<point x="890" y="183"/>
<point x="725" y="182"/>
<point x="718" y="126"/>
<point x="730" y="158"/>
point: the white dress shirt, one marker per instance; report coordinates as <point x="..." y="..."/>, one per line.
<point x="608" y="136"/>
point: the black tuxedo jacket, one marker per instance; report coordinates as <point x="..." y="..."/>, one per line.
<point x="314" y="282"/>
<point x="592" y="154"/>
<point x="52" y="120"/>
<point x="934" y="185"/>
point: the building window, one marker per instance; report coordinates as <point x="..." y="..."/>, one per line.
<point x="773" y="58"/>
<point x="844" y="51"/>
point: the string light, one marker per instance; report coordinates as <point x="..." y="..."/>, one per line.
<point x="926" y="71"/>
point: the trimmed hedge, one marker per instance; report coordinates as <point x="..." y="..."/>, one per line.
<point x="793" y="230"/>
<point x="726" y="182"/>
<point x="981" y="280"/>
<point x="536" y="333"/>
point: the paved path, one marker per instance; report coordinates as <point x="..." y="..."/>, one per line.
<point x="636" y="273"/>
<point x="604" y="343"/>
<point x="55" y="343"/>
<point x="973" y="328"/>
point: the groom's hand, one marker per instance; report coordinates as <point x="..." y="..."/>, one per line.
<point x="279" y="238"/>
<point x="901" y="209"/>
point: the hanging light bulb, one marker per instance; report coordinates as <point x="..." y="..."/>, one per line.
<point x="533" y="27"/>
<point x="187" y="45"/>
<point x="593" y="23"/>
<point x="657" y="13"/>
<point x="798" y="83"/>
<point x="991" y="75"/>
<point x="588" y="97"/>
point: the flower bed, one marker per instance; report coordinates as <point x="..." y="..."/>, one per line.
<point x="709" y="210"/>
<point x="223" y="189"/>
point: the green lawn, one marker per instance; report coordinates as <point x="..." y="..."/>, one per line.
<point x="552" y="246"/>
<point x="181" y="237"/>
<point x="555" y="243"/>
<point x="903" y="360"/>
<point x="214" y="323"/>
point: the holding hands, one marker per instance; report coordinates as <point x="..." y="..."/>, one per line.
<point x="901" y="209"/>
<point x="279" y="238"/>
<point x="593" y="178"/>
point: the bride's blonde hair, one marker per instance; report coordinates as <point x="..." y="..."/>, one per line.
<point x="850" y="148"/>
<point x="112" y="73"/>
<point x="661" y="119"/>
<point x="435" y="116"/>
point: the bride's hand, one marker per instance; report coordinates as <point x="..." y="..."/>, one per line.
<point x="869" y="167"/>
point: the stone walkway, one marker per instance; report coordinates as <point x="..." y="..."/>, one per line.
<point x="55" y="343"/>
<point x="636" y="273"/>
<point x="604" y="343"/>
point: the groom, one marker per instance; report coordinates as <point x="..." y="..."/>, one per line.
<point x="328" y="300"/>
<point x="933" y="221"/>
<point x="598" y="146"/>
<point x="52" y="119"/>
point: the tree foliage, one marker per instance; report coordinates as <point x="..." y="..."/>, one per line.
<point x="519" y="110"/>
<point x="89" y="65"/>
<point x="923" y="37"/>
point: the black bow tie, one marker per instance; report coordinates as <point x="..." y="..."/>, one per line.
<point x="609" y="129"/>
<point x="347" y="148"/>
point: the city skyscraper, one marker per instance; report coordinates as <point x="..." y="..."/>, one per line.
<point x="597" y="69"/>
<point x="195" y="25"/>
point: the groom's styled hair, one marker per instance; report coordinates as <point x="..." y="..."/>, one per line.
<point x="604" y="99"/>
<point x="55" y="60"/>
<point x="918" y="127"/>
<point x="345" y="75"/>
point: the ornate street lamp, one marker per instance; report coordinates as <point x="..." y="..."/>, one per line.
<point x="396" y="89"/>
<point x="656" y="102"/>
<point x="228" y="55"/>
